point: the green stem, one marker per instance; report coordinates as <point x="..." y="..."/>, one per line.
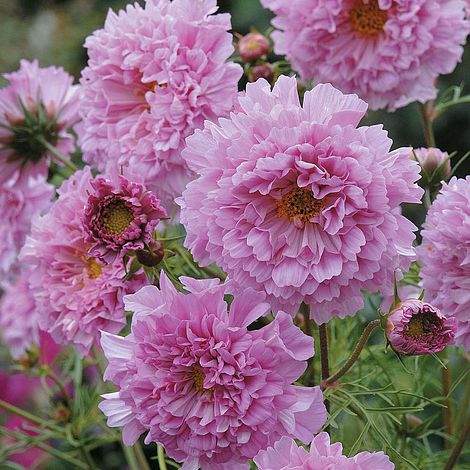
<point x="87" y="458"/>
<point x="57" y="153"/>
<point x="24" y="414"/>
<point x="142" y="460"/>
<point x="161" y="458"/>
<point x="52" y="375"/>
<point x="354" y="356"/>
<point x="46" y="448"/>
<point x="464" y="405"/>
<point x="325" y="365"/>
<point x="214" y="273"/>
<point x="447" y="411"/>
<point x="130" y="457"/>
<point x="426" y="111"/>
<point x="459" y="446"/>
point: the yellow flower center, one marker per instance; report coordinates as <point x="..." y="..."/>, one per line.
<point x="198" y="378"/>
<point x="92" y="268"/>
<point x="116" y="218"/>
<point x="367" y="19"/>
<point x="299" y="204"/>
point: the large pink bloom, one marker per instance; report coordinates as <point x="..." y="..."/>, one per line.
<point x="154" y="74"/>
<point x="389" y="52"/>
<point x="286" y="455"/>
<point x="445" y="254"/>
<point x="76" y="295"/>
<point x="298" y="202"/>
<point x="120" y="216"/>
<point x="37" y="103"/>
<point x="210" y="391"/>
<point x="20" y="200"/>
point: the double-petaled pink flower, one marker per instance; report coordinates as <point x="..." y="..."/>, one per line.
<point x="298" y="202"/>
<point x="209" y="390"/>
<point x="154" y="74"/>
<point x="389" y="52"/>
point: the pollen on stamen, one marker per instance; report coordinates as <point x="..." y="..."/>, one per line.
<point x="299" y="204"/>
<point x="367" y="19"/>
<point x="116" y="218"/>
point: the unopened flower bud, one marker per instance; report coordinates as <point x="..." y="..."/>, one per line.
<point x="262" y="71"/>
<point x="253" y="46"/>
<point x="152" y="256"/>
<point x="430" y="159"/>
<point x="30" y="358"/>
<point x="415" y="328"/>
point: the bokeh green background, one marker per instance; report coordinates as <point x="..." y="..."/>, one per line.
<point x="54" y="31"/>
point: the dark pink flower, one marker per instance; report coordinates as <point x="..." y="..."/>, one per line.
<point x="120" y="216"/>
<point x="415" y="328"/>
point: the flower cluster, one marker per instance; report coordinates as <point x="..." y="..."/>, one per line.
<point x="154" y="74"/>
<point x="298" y="202"/>
<point x="445" y="255"/>
<point x="388" y="52"/>
<point x="76" y="294"/>
<point x="211" y="391"/>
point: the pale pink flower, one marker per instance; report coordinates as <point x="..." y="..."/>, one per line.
<point x="120" y="216"/>
<point x="20" y="200"/>
<point x="209" y="390"/>
<point x="430" y="159"/>
<point x="286" y="455"/>
<point x="38" y="103"/>
<point x="445" y="255"/>
<point x="298" y="202"/>
<point x="154" y="74"/>
<point x="415" y="328"/>
<point x="389" y="52"/>
<point x="76" y="295"/>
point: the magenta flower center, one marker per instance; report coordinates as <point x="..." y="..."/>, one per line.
<point x="116" y="217"/>
<point x="299" y="204"/>
<point x="423" y="323"/>
<point x="367" y="19"/>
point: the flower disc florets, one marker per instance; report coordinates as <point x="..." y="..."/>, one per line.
<point x="415" y="328"/>
<point x="298" y="202"/>
<point x="120" y="216"/>
<point x="209" y="390"/>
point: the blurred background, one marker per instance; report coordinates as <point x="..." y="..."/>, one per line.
<point x="53" y="31"/>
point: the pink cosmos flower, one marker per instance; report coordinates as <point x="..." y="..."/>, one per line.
<point x="286" y="455"/>
<point x="76" y="294"/>
<point x="297" y="202"/>
<point x="20" y="200"/>
<point x="38" y="104"/>
<point x="209" y="390"/>
<point x="154" y="74"/>
<point x="120" y="216"/>
<point x="415" y="328"/>
<point x="389" y="52"/>
<point x="445" y="255"/>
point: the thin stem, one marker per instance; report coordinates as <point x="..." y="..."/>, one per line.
<point x="52" y="375"/>
<point x="464" y="405"/>
<point x="142" y="460"/>
<point x="24" y="414"/>
<point x="426" y="111"/>
<point x="459" y="446"/>
<point x="354" y="356"/>
<point x="87" y="458"/>
<point x="57" y="153"/>
<point x="130" y="457"/>
<point x="325" y="365"/>
<point x="304" y="310"/>
<point x="447" y="411"/>
<point x="161" y="458"/>
<point x="213" y="273"/>
<point x="46" y="448"/>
